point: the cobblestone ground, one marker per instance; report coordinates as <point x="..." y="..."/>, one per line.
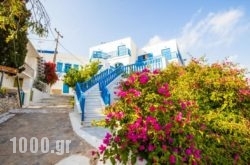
<point x="55" y="125"/>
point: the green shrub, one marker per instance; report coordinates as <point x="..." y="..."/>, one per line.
<point x="3" y="91"/>
<point x="85" y="73"/>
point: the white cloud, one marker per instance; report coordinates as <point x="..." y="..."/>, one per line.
<point x="215" y="29"/>
<point x="154" y="40"/>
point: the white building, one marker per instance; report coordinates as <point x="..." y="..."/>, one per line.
<point x="63" y="63"/>
<point x="26" y="77"/>
<point x="124" y="52"/>
<point x="115" y="53"/>
<point x="168" y="49"/>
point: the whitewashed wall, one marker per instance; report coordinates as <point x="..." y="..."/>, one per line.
<point x="112" y="47"/>
<point x="156" y="48"/>
<point x="38" y="95"/>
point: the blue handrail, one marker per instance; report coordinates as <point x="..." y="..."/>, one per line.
<point x="105" y="81"/>
<point x="94" y="80"/>
<point x="81" y="99"/>
<point x="83" y="87"/>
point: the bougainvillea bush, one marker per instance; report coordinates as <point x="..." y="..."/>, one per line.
<point x="50" y="76"/>
<point x="197" y="114"/>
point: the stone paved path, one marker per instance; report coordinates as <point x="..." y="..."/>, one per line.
<point x="53" y="124"/>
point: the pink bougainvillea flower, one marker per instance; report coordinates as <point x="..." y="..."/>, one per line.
<point x="152" y="108"/>
<point x="164" y="147"/>
<point x="102" y="148"/>
<point x="146" y="70"/>
<point x="197" y="153"/>
<point x="144" y="78"/>
<point x="194" y="162"/>
<point x="93" y="153"/>
<point x="134" y="92"/>
<point x="107" y="139"/>
<point x="151" y="147"/>
<point x="178" y="118"/>
<point x="172" y="159"/>
<point x="142" y="148"/>
<point x="190" y="137"/>
<point x="156" y="71"/>
<point x="164" y="90"/>
<point x="117" y="139"/>
<point x="183" y="105"/>
<point x="140" y="159"/>
<point x="122" y="94"/>
<point x="188" y="151"/>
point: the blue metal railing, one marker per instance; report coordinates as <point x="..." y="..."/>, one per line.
<point x="94" y="80"/>
<point x="107" y="76"/>
<point x="152" y="64"/>
<point x="81" y="99"/>
<point x="108" y="79"/>
<point x="83" y="87"/>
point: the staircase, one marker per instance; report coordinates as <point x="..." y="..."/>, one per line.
<point x="93" y="105"/>
<point x="92" y="96"/>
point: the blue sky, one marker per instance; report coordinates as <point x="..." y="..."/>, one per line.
<point x="217" y="29"/>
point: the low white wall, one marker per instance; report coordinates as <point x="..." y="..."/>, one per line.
<point x="77" y="107"/>
<point x="38" y="95"/>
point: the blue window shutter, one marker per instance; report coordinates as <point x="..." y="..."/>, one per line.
<point x="65" y="88"/>
<point x="59" y="66"/>
<point x="67" y="67"/>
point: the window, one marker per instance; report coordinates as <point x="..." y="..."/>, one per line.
<point x="97" y="54"/>
<point x="59" y="66"/>
<point x="67" y="67"/>
<point x="145" y="57"/>
<point x="166" y="53"/>
<point x="117" y="65"/>
<point x="122" y="50"/>
<point x="76" y="66"/>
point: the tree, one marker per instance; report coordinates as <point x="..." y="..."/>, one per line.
<point x="50" y="76"/>
<point x="14" y="11"/>
<point x="85" y="73"/>
<point x="15" y="19"/>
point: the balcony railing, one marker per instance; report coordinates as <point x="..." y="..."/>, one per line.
<point x="111" y="54"/>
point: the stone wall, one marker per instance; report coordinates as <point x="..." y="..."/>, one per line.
<point x="8" y="103"/>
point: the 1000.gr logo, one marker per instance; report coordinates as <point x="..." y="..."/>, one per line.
<point x="62" y="146"/>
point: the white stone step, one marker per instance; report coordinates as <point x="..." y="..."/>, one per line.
<point x="93" y="102"/>
<point x="89" y="119"/>
<point x="90" y="107"/>
<point x="94" y="111"/>
<point x="93" y="115"/>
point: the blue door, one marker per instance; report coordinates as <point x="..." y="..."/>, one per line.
<point x="65" y="88"/>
